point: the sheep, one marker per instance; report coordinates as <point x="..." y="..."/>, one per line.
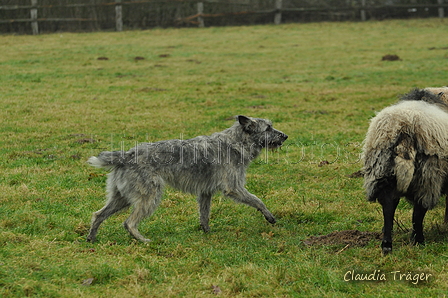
<point x="442" y="92"/>
<point x="405" y="154"/>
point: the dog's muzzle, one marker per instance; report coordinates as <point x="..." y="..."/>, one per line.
<point x="277" y="143"/>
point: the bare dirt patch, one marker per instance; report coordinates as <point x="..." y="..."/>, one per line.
<point x="390" y="58"/>
<point x="357" y="174"/>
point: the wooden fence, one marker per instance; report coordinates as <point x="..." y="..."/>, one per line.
<point x="358" y="10"/>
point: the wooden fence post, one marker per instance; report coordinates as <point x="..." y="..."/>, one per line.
<point x="441" y="10"/>
<point x="200" y="12"/>
<point x="118" y="16"/>
<point x="33" y="13"/>
<point x="363" y="12"/>
<point x="278" y="12"/>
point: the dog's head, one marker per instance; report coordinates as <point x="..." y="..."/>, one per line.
<point x="261" y="132"/>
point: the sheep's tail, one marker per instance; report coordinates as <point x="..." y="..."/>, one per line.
<point x="404" y="162"/>
<point x="107" y="160"/>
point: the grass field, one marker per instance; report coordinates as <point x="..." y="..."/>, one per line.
<point x="320" y="83"/>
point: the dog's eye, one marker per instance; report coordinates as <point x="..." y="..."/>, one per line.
<point x="269" y="128"/>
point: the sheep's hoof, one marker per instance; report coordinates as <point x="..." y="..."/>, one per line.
<point x="387" y="250"/>
<point x="386" y="247"/>
<point x="417" y="240"/>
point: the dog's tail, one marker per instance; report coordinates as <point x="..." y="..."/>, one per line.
<point x="108" y="160"/>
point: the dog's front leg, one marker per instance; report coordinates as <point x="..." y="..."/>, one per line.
<point x="245" y="197"/>
<point x="204" y="202"/>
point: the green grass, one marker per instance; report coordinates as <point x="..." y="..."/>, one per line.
<point x="320" y="83"/>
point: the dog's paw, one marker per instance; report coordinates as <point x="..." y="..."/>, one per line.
<point x="206" y="229"/>
<point x="271" y="219"/>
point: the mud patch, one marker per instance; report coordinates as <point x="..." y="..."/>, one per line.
<point x="357" y="174"/>
<point x="348" y="237"/>
<point x="390" y="58"/>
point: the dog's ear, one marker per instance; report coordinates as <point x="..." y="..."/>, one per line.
<point x="245" y="122"/>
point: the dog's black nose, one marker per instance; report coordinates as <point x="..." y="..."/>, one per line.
<point x="285" y="136"/>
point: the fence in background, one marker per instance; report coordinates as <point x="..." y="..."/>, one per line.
<point x="35" y="16"/>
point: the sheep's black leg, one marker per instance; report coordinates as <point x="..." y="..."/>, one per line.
<point x="389" y="205"/>
<point x="446" y="210"/>
<point x="417" y="224"/>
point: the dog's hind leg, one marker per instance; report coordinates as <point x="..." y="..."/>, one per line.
<point x="115" y="203"/>
<point x="204" y="201"/>
<point x="144" y="206"/>
<point x="244" y="196"/>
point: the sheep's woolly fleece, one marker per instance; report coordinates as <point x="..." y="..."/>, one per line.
<point x="425" y="121"/>
<point x="394" y="140"/>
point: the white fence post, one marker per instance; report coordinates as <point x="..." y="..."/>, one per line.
<point x="118" y="16"/>
<point x="200" y="12"/>
<point x="278" y="12"/>
<point x="441" y="10"/>
<point x="363" y="12"/>
<point x="33" y="13"/>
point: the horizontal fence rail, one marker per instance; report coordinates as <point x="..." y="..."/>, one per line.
<point x="38" y="12"/>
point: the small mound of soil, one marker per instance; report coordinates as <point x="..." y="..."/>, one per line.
<point x="357" y="174"/>
<point x="348" y="237"/>
<point x="390" y="58"/>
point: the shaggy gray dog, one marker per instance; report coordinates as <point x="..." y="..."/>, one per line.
<point x="201" y="166"/>
<point x="405" y="154"/>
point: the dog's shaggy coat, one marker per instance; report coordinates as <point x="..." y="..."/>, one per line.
<point x="200" y="166"/>
<point x="405" y="153"/>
